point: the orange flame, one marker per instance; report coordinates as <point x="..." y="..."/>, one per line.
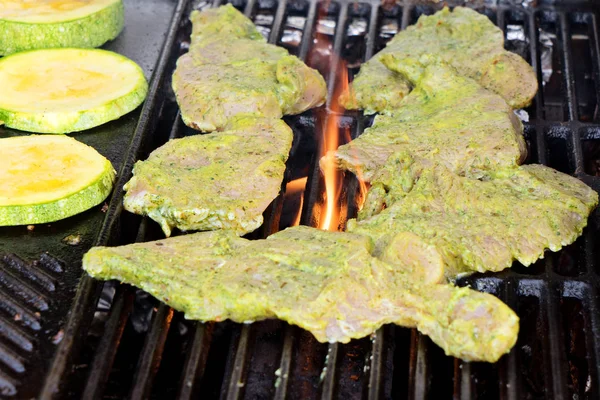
<point x="330" y="213"/>
<point x="333" y="178"/>
<point x="330" y="142"/>
<point x="363" y="187"/>
<point x="292" y="189"/>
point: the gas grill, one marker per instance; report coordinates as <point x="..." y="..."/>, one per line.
<point x="65" y="335"/>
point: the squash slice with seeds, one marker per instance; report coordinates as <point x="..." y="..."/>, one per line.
<point x="67" y="90"/>
<point x="50" y="177"/>
<point x="44" y="24"/>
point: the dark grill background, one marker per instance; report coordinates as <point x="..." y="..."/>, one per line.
<point x="128" y="345"/>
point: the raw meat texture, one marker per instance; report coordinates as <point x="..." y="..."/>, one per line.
<point x="325" y="282"/>
<point x="231" y="71"/>
<point x="476" y="225"/>
<point x="465" y="39"/>
<point x="221" y="180"/>
<point x="448" y="118"/>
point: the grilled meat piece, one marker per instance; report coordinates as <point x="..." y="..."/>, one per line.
<point x="448" y="118"/>
<point x="325" y="282"/>
<point x="476" y="225"/>
<point x="230" y="71"/>
<point x="219" y="180"/>
<point x="222" y="21"/>
<point x="465" y="39"/>
<point x="376" y="89"/>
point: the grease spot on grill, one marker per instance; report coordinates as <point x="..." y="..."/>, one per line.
<point x="72" y="240"/>
<point x="56" y="339"/>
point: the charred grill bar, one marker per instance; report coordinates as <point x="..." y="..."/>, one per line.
<point x="135" y="347"/>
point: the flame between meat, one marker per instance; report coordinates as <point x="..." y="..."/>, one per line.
<point x="333" y="177"/>
<point x="363" y="187"/>
<point x="330" y="142"/>
<point x="295" y="188"/>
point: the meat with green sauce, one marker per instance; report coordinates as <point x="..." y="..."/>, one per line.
<point x="230" y="71"/>
<point x="221" y="180"/>
<point x="325" y="282"/>
<point x="465" y="39"/>
<point x="447" y="118"/>
<point x="476" y="225"/>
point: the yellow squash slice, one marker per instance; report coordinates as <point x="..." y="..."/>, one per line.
<point x="48" y="178"/>
<point x="44" y="24"/>
<point x="67" y="90"/>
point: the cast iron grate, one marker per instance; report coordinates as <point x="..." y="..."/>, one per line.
<point x="138" y="348"/>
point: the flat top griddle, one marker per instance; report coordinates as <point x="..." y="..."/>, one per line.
<point x="65" y="335"/>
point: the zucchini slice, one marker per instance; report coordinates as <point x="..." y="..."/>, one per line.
<point x="67" y="90"/>
<point x="43" y="24"/>
<point x="48" y="178"/>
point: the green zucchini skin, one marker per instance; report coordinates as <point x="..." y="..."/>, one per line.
<point x="56" y="210"/>
<point x="87" y="32"/>
<point x="75" y="121"/>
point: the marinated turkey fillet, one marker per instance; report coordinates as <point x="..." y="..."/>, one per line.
<point x="219" y="180"/>
<point x="476" y="225"/>
<point x="465" y="39"/>
<point x="230" y="70"/>
<point x="325" y="282"/>
<point x="448" y="118"/>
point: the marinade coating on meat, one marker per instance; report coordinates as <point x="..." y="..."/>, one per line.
<point x="448" y="118"/>
<point x="476" y="225"/>
<point x="230" y="71"/>
<point x="325" y="282"/>
<point x="465" y="39"/>
<point x="225" y="20"/>
<point x="219" y="180"/>
<point x="376" y="89"/>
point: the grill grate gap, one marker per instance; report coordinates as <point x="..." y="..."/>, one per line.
<point x="574" y="324"/>
<point x="584" y="68"/>
<point x="551" y="82"/>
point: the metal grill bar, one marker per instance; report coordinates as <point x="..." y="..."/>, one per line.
<point x="462" y="385"/>
<point x="376" y="368"/>
<point x="330" y="367"/>
<point x="238" y="371"/>
<point x="540" y="142"/>
<point x="196" y="361"/>
<point x="572" y="103"/>
<point x="508" y="381"/>
<point x="152" y="353"/>
<point x="418" y="384"/>
<point x="593" y="338"/>
<point x="249" y="7"/>
<point x="286" y="362"/>
<point x="555" y="344"/>
<point x="373" y="25"/>
<point x="406" y="15"/>
<point x="595" y="48"/>
<point x="568" y="70"/>
<point x="108" y="346"/>
<point x="334" y="61"/>
<point x="308" y="29"/>
<point x="278" y="22"/>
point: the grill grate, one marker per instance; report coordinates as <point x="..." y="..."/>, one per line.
<point x="138" y="348"/>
